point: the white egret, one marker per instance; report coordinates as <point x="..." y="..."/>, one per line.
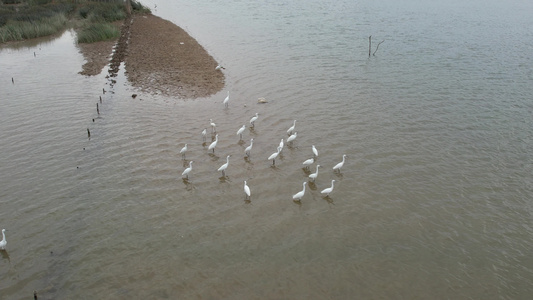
<point x="187" y="171"/>
<point x="247" y="190"/>
<point x="213" y="126"/>
<point x="315" y="152"/>
<point x="292" y="137"/>
<point x="308" y="162"/>
<point x="224" y="166"/>
<point x="226" y="100"/>
<point x="339" y="165"/>
<point x="291" y="129"/>
<point x="213" y="144"/>
<point x="249" y="148"/>
<point x="329" y="189"/>
<point x="182" y="151"/>
<point x="3" y="243"/>
<point x="204" y="133"/>
<point x="253" y="119"/>
<point x="298" y="196"/>
<point x="274" y="155"/>
<point x="313" y="176"/>
<point x="281" y="145"/>
<point x="219" y="67"/>
<point x="240" y="131"/>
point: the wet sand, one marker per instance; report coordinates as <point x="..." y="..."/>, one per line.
<point x="160" y="58"/>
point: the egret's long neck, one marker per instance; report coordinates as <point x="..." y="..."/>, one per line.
<point x="3" y="237"/>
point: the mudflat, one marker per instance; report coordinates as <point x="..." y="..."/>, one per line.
<point x="160" y="58"/>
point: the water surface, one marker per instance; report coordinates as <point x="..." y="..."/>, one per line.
<point x="432" y="202"/>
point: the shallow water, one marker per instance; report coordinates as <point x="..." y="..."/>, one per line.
<point x="432" y="202"/>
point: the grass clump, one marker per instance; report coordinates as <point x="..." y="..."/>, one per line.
<point x="138" y="7"/>
<point x="98" y="32"/>
<point x="20" y="30"/>
<point x="101" y="12"/>
<point x="26" y="19"/>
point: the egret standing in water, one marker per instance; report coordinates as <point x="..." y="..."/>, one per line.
<point x="338" y="166"/>
<point x="182" y="151"/>
<point x="308" y="162"/>
<point x="291" y="129"/>
<point x="281" y="145"/>
<point x="292" y="137"/>
<point x="204" y="133"/>
<point x="314" y="175"/>
<point x="298" y="196"/>
<point x="3" y="242"/>
<point x="213" y="125"/>
<point x="253" y="119"/>
<point x="249" y="148"/>
<point x="329" y="189"/>
<point x="247" y="190"/>
<point x="226" y="101"/>
<point x="224" y="166"/>
<point x="273" y="156"/>
<point x="213" y="144"/>
<point x="240" y="131"/>
<point x="187" y="171"/>
<point x="315" y="152"/>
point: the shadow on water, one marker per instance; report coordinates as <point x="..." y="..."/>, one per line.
<point x="328" y="200"/>
<point x="247" y="159"/>
<point x="188" y="184"/>
<point x="5" y="255"/>
<point x="213" y="156"/>
<point x="307" y="172"/>
<point x="253" y="131"/>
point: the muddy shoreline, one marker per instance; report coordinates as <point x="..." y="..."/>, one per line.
<point x="160" y="58"/>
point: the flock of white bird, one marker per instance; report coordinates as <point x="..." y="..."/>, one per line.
<point x="292" y="135"/>
<point x="247" y="151"/>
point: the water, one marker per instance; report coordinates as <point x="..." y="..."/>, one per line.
<point x="433" y="200"/>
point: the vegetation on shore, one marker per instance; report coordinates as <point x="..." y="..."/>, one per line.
<point x="93" y="20"/>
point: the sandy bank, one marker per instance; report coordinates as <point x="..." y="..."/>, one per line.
<point x="161" y="58"/>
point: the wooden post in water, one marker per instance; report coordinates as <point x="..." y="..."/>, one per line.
<point x="88" y="133"/>
<point x="97" y="109"/>
<point x="369" y="45"/>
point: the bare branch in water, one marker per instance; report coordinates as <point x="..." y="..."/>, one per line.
<point x="377" y="47"/>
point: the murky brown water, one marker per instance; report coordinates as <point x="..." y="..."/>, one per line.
<point x="432" y="202"/>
